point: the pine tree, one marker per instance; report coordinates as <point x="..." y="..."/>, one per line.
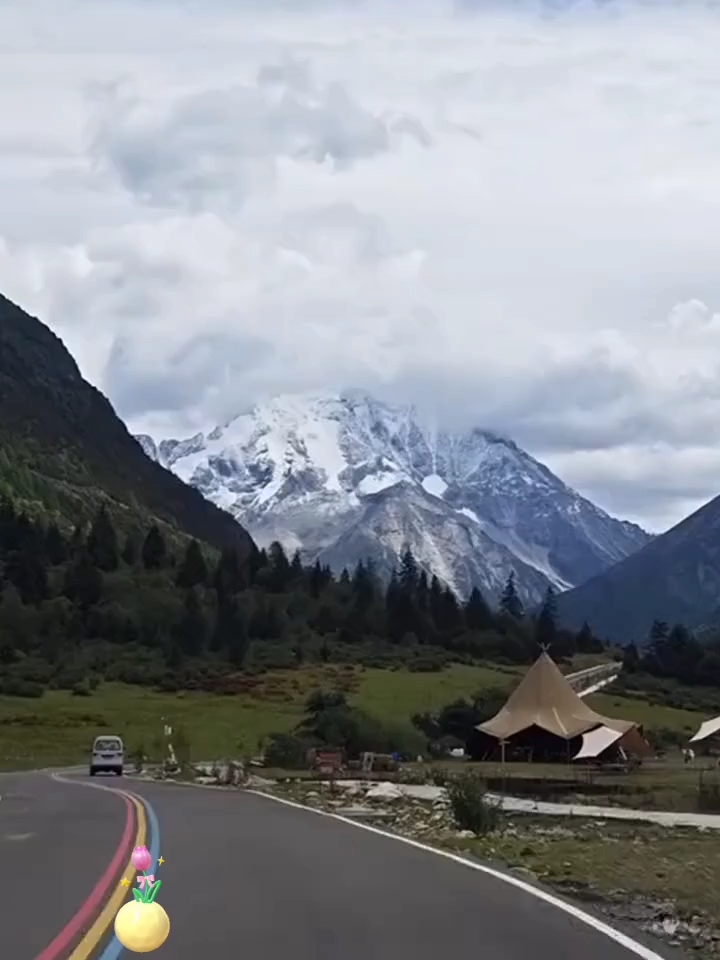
<point x="56" y="549"/>
<point x="586" y="641"/>
<point x="230" y="576"/>
<point x="280" y="574"/>
<point x="191" y="630"/>
<point x="25" y="569"/>
<point x="449" y="616"/>
<point x="408" y="576"/>
<point x="363" y="588"/>
<point x="435" y="600"/>
<point x="396" y="620"/>
<point x="102" y="543"/>
<point x="400" y="611"/>
<point x="317" y="580"/>
<point x="510" y="602"/>
<point x="256" y="564"/>
<point x="192" y="571"/>
<point x="631" y="658"/>
<point x="154" y="549"/>
<point x="478" y="615"/>
<point x="422" y="593"/>
<point x="231" y="633"/>
<point x="546" y="622"/>
<point x="297" y="571"/>
<point x="83" y="582"/>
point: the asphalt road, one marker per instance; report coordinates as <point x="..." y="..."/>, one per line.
<point x="245" y="876"/>
<point x="56" y="840"/>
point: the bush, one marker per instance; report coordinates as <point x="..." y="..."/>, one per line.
<point x="425" y="665"/>
<point x="286" y="751"/>
<point x="21" y="688"/>
<point x="439" y="777"/>
<point x="470" y="806"/>
<point x="83" y="688"/>
<point x="664" y="738"/>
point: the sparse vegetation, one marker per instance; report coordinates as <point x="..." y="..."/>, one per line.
<point x="470" y="806"/>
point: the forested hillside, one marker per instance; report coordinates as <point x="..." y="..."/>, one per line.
<point x="64" y="451"/>
<point x="98" y="605"/>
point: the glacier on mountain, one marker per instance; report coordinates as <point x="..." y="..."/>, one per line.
<point x="346" y="477"/>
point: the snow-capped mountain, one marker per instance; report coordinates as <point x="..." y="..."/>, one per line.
<point x="346" y="477"/>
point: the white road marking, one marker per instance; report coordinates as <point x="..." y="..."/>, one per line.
<point x="622" y="939"/>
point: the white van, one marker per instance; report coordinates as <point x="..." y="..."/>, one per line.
<point x="108" y="754"/>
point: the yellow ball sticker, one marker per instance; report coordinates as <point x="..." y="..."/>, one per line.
<point x="142" y="927"/>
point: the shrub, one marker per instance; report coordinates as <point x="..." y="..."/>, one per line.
<point x="425" y="665"/>
<point x="21" y="688"/>
<point x="82" y="688"/>
<point x="439" y="777"/>
<point x="286" y="751"/>
<point x="470" y="806"/>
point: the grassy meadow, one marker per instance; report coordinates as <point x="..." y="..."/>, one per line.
<point x="58" y="728"/>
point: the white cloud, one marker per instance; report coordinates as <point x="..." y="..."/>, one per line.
<point x="510" y="215"/>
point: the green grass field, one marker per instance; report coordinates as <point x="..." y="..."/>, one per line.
<point x="648" y="714"/>
<point x="59" y="727"/>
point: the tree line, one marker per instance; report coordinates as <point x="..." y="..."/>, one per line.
<point x="82" y="605"/>
<point x="675" y="653"/>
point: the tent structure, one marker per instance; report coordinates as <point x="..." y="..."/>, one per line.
<point x="545" y="700"/>
<point x="707" y="729"/>
<point x="596" y="741"/>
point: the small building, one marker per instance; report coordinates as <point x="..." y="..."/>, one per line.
<point x="545" y="719"/>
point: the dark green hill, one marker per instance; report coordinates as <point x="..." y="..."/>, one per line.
<point x="63" y="449"/>
<point x="675" y="578"/>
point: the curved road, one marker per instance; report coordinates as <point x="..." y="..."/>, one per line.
<point x="246" y="876"/>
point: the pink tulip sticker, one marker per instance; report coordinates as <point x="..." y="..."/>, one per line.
<point x="141" y="858"/>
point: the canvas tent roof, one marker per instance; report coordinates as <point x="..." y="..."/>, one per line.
<point x="545" y="699"/>
<point x="707" y="729"/>
<point x="595" y="741"/>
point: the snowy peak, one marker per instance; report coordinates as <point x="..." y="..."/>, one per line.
<point x="308" y="470"/>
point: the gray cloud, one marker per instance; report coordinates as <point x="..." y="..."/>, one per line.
<point x="217" y="147"/>
<point x="506" y="216"/>
<point x="198" y="367"/>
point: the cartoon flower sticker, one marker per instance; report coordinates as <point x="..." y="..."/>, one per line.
<point x="142" y="925"/>
<point x="141" y="858"/>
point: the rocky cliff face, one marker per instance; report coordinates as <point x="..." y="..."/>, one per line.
<point x="344" y="477"/>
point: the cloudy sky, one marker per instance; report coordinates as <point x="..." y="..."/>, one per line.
<point x="509" y="215"/>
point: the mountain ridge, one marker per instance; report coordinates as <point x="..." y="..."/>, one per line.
<point x="63" y="449"/>
<point x="335" y="475"/>
<point x="674" y="578"/>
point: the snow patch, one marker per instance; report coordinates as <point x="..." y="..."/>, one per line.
<point x="375" y="482"/>
<point x="434" y="485"/>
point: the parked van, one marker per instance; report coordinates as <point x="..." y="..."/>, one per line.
<point x="108" y="755"/>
